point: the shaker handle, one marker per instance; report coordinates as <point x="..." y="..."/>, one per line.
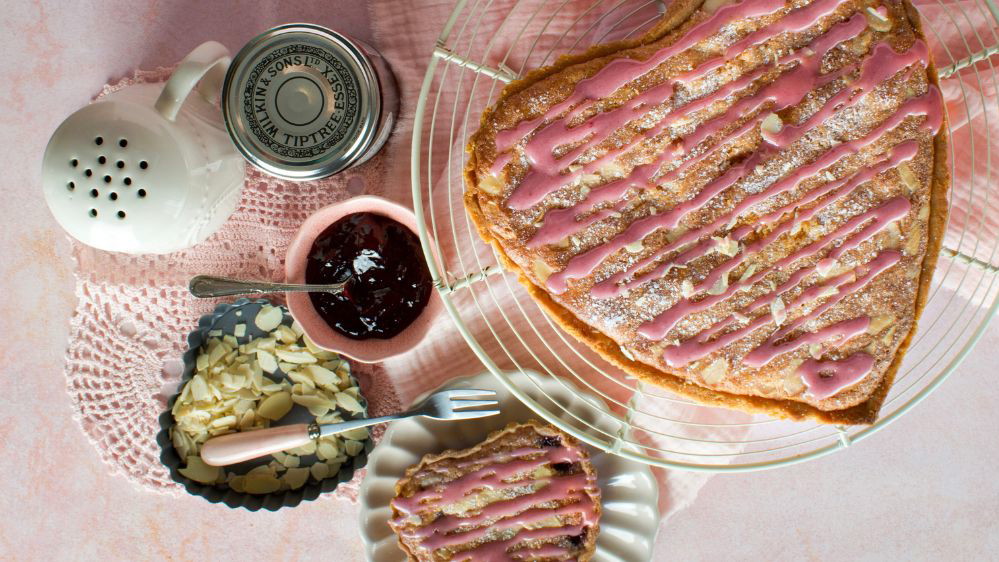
<point x="205" y="68"/>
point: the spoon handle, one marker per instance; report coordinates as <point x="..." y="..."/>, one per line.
<point x="207" y="286"/>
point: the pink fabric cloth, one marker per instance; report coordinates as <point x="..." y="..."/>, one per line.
<point x="121" y="362"/>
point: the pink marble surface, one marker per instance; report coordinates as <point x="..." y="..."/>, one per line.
<point x="922" y="489"/>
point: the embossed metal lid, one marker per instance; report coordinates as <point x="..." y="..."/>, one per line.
<point x="301" y="102"/>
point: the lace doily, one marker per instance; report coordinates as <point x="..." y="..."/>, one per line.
<point x="133" y="314"/>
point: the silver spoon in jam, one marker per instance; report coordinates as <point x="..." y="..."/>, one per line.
<point x="208" y="286"/>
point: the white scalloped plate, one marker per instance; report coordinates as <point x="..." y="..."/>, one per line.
<point x="629" y="491"/>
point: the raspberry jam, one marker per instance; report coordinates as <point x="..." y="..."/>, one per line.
<point x="388" y="283"/>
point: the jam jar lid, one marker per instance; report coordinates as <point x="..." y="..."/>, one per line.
<point x="301" y="102"/>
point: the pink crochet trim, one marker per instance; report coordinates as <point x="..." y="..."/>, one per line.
<point x="133" y="315"/>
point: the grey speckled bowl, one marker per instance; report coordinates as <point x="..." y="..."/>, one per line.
<point x="224" y="318"/>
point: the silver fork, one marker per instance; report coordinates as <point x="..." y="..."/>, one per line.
<point x="238" y="447"/>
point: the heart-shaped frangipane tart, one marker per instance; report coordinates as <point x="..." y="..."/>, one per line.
<point x="743" y="206"/>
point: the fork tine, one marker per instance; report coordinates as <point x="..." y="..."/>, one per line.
<point x="455" y="404"/>
<point x="468" y="392"/>
<point x="472" y="414"/>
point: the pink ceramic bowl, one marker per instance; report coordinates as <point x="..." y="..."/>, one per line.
<point x="370" y="350"/>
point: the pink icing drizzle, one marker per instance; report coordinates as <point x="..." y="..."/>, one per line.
<point x="585" y="263"/>
<point x="790" y="88"/>
<point x="826" y="378"/>
<point x="928" y="104"/>
<point x="620" y="71"/>
<point x="543" y="178"/>
<point x="546" y="177"/>
<point x="695" y="348"/>
<point x="491" y="476"/>
<point x="510" y="514"/>
<point x="497" y="550"/>
<point x="663" y="323"/>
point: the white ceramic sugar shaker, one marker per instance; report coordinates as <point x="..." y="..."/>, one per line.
<point x="148" y="169"/>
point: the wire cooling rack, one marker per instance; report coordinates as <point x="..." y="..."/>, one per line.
<point x="487" y="43"/>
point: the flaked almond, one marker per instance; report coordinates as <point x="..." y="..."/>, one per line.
<point x="750" y="271"/>
<point x="674" y="234"/>
<point x="913" y="243"/>
<point x="778" y="311"/>
<point x="295" y="357"/>
<point x="285" y="334"/>
<point x="198" y="471"/>
<point x="879" y="322"/>
<point x="296" y="477"/>
<point x="716" y="371"/>
<point x="612" y="170"/>
<point x="306" y="449"/>
<point x="291" y="461"/>
<point x="825" y="267"/>
<point x="327" y="449"/>
<point x="815" y="350"/>
<point x="687" y="288"/>
<point x="561" y="244"/>
<point x="349" y="403"/>
<point x="225" y="422"/>
<point x="261" y="484"/>
<point x="894" y="235"/>
<point x="634" y="247"/>
<point x="877" y="19"/>
<point x="827" y="292"/>
<point x="275" y="406"/>
<point x="908" y="178"/>
<point x="490" y="184"/>
<point x="725" y="246"/>
<point x="541" y="269"/>
<point x="793" y="385"/>
<point x="237" y="483"/>
<point x="770" y="127"/>
<point x="720" y="286"/>
<point x="323" y="377"/>
<point x="352" y="447"/>
<point x="319" y="470"/>
<point x="199" y="389"/>
<point x="888" y="336"/>
<point x="924" y="212"/>
<point x="268" y="318"/>
<point x="357" y="434"/>
<point x="316" y="405"/>
<point x="267" y="361"/>
<point x="216" y="352"/>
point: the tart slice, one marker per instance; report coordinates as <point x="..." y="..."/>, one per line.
<point x="744" y="205"/>
<point x="528" y="492"/>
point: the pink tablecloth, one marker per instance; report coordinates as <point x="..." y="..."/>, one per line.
<point x="919" y="489"/>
